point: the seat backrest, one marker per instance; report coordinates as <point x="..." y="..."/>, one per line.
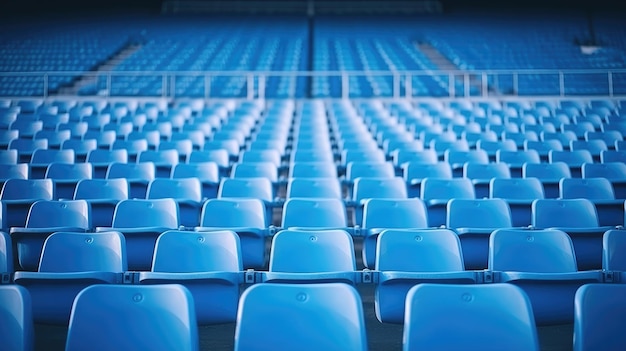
<point x="204" y="171"/>
<point x="313" y="169"/>
<point x="412" y="170"/>
<point x="219" y="156"/>
<point x="394" y="213"/>
<point x="546" y="171"/>
<point x="179" y="189"/>
<point x="255" y="170"/>
<point x="599" y="317"/>
<point x="79" y="252"/>
<point x="419" y="250"/>
<point x="27" y="189"/>
<point x="43" y="156"/>
<point x="8" y="156"/>
<point x="609" y="170"/>
<point x="314" y="213"/>
<point x="312" y="251"/>
<point x="517" y="157"/>
<point x="369" y="169"/>
<point x="17" y="170"/>
<point x="610" y="156"/>
<point x="6" y="253"/>
<point x="516" y="188"/>
<point x="454" y="157"/>
<point x="259" y="188"/>
<point x="478" y="213"/>
<point x="436" y="188"/>
<point x="16" y="319"/>
<point x="566" y="213"/>
<point x="204" y="252"/>
<point x="142" y="170"/>
<point x="52" y="213"/>
<point x="473" y="170"/>
<point x="114" y="189"/>
<point x="587" y="188"/>
<point x="370" y="187"/>
<point x="57" y="170"/>
<point x="137" y="213"/>
<point x="107" y="156"/>
<point x="540" y="251"/>
<point x="133" y="317"/>
<point x="170" y="156"/>
<point x="268" y="313"/>
<point x="499" y="310"/>
<point x="571" y="158"/>
<point x="232" y="213"/>
<point x="314" y="187"/>
<point x="614" y="250"/>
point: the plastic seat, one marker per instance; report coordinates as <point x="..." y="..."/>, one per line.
<point x="481" y="175"/>
<point x="609" y="136"/>
<point x="615" y="172"/>
<point x="499" y="310"/>
<point x="101" y="159"/>
<point x="436" y="193"/>
<point x="132" y="147"/>
<point x="69" y="263"/>
<point x="244" y="216"/>
<point x="138" y="175"/>
<point x="414" y="173"/>
<point x="368" y="187"/>
<point x="600" y="192"/>
<point x="19" y="194"/>
<point x="550" y="174"/>
<point x="256" y="188"/>
<point x="186" y="191"/>
<point x="543" y="148"/>
<point x="6" y="258"/>
<point x="613" y="249"/>
<point x="102" y="195"/>
<point x="369" y="169"/>
<point x="210" y="271"/>
<point x="142" y="221"/>
<point x="313" y="170"/>
<point x="543" y="263"/>
<point x="8" y="156"/>
<point x="574" y="159"/>
<point x="314" y="187"/>
<point x="311" y="256"/>
<point x="219" y="156"/>
<point x="519" y="193"/>
<point x="516" y="159"/>
<point x="44" y="218"/>
<point x="599" y="317"/>
<point x="27" y="128"/>
<point x="312" y="155"/>
<point x="108" y="317"/>
<point x="457" y="159"/>
<point x="66" y="176"/>
<point x="206" y="172"/>
<point x="255" y="170"/>
<point x="474" y="220"/>
<point x="272" y="156"/>
<point x="16" y="171"/>
<point x="81" y="148"/>
<point x="267" y="312"/>
<point x="579" y="219"/>
<point x="317" y="213"/>
<point x="492" y="147"/>
<point x="595" y="147"/>
<point x="152" y="138"/>
<point x="55" y="138"/>
<point x="163" y="161"/>
<point x="406" y="257"/>
<point x="230" y="145"/>
<point x="17" y="329"/>
<point x="43" y="157"/>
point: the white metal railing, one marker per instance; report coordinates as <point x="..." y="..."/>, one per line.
<point x="335" y="84"/>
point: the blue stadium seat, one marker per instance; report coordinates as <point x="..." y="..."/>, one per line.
<point x="516" y="159"/>
<point x="542" y="263"/>
<point x="186" y="191"/>
<point x="599" y="317"/>
<point x="414" y="173"/>
<point x="16" y="171"/>
<point x="66" y="176"/>
<point x="210" y="271"/>
<point x="256" y="188"/>
<point x="267" y="312"/>
<point x="101" y="159"/>
<point x="6" y="258"/>
<point x="365" y="188"/>
<point x="163" y="161"/>
<point x="315" y="213"/>
<point x="457" y="159"/>
<point x="102" y="195"/>
<point x="613" y="249"/>
<point x="574" y="159"/>
<point x="219" y="156"/>
<point x="17" y="330"/>
<point x="206" y="172"/>
<point x="69" y="263"/>
<point x="550" y="174"/>
<point x="436" y="193"/>
<point x="407" y="257"/>
<point x="313" y="170"/>
<point x="600" y="191"/>
<point x="19" y="194"/>
<point x="519" y="193"/>
<point x="482" y="174"/>
<point x="138" y="175"/>
<point x="8" y="156"/>
<point x="615" y="172"/>
<point x="132" y="147"/>
<point x="26" y="147"/>
<point x="314" y="187"/>
<point x="496" y="309"/>
<point x="131" y="325"/>
<point x="81" y="147"/>
<point x="41" y="158"/>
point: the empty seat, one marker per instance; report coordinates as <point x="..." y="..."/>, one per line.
<point x="267" y="313"/>
<point x="81" y="147"/>
<point x="595" y="147"/>
<point x="26" y="147"/>
<point x="457" y="159"/>
<point x="501" y="311"/>
<point x="101" y="159"/>
<point x="246" y="217"/>
<point x="519" y="193"/>
<point x="256" y="188"/>
<point x="142" y="221"/>
<point x="407" y="257"/>
<point x="102" y="195"/>
<point x="70" y="262"/>
<point x="600" y="317"/>
<point x="615" y="172"/>
<point x="481" y="175"/>
<point x="550" y="174"/>
<point x="614" y="251"/>
<point x="186" y="191"/>
<point x="543" y="264"/>
<point x="66" y="176"/>
<point x="210" y="271"/>
<point x="163" y="161"/>
<point x="574" y="159"/>
<point x="206" y="172"/>
<point x="16" y="320"/>
<point x="314" y="213"/>
<point x="516" y="159"/>
<point x="6" y="258"/>
<point x="369" y="187"/>
<point x="109" y="317"/>
<point x="313" y="170"/>
<point x="436" y="193"/>
<point x="414" y="173"/>
<point x="17" y="171"/>
<point x="543" y="148"/>
<point x="138" y="175"/>
<point x="314" y="187"/>
<point x="19" y="194"/>
<point x="42" y="158"/>
<point x="219" y="156"/>
<point x="600" y="191"/>
<point x="255" y="170"/>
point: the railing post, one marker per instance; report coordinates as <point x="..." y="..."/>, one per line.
<point x="485" y="88"/>
<point x="345" y="86"/>
<point x="207" y="86"/>
<point x="250" y="82"/>
<point x="164" y="88"/>
<point x="45" y="85"/>
<point x="466" y="84"/>
<point x="451" y="85"/>
<point x="408" y="85"/>
<point x="561" y="84"/>
<point x="173" y="86"/>
<point x="261" y="86"/>
<point x="109" y="84"/>
<point x="516" y="83"/>
<point x="610" y="77"/>
<point x="396" y="85"/>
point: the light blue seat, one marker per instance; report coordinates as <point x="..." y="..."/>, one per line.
<point x="457" y="159"/>
<point x="132" y="147"/>
<point x="81" y="147"/>
<point x="312" y="256"/>
<point x="15" y="170"/>
<point x="41" y="158"/>
<point x="102" y="195"/>
<point x="261" y="169"/>
<point x="500" y="317"/>
<point x="543" y="263"/>
<point x="314" y="213"/>
<point x="230" y="145"/>
<point x="109" y="317"/>
<point x="493" y="146"/>
<point x="519" y="193"/>
<point x="6" y="258"/>
<point x="257" y="188"/>
<point x="415" y="172"/>
<point x="101" y="159"/>
<point x="615" y="172"/>
<point x="219" y="156"/>
<point x="600" y="191"/>
<point x="267" y="313"/>
<point x="270" y="155"/>
<point x="314" y="187"/>
<point x="544" y="147"/>
<point x="206" y="172"/>
<point x="474" y="220"/>
<point x="614" y="252"/>
<point x="481" y="175"/>
<point x="8" y="156"/>
<point x="246" y="217"/>
<point x="163" y="160"/>
<point x="211" y="271"/>
<point x="317" y="154"/>
<point x="16" y="320"/>
<point x="152" y="137"/>
<point x="516" y="159"/>
<point x="550" y="174"/>
<point x="595" y="147"/>
<point x="55" y="138"/>
<point x="141" y="221"/>
<point x="578" y="218"/>
<point x="370" y="187"/>
<point x="66" y="176"/>
<point x="608" y="156"/>
<point x="600" y="317"/>
<point x="407" y="257"/>
<point x="436" y="192"/>
<point x="138" y="175"/>
<point x="313" y="170"/>
<point x="186" y="191"/>
<point x="19" y="194"/>
<point x="384" y="213"/>
<point x="26" y="147"/>
<point x="369" y="169"/>
<point x="69" y="263"/>
<point x="574" y="159"/>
